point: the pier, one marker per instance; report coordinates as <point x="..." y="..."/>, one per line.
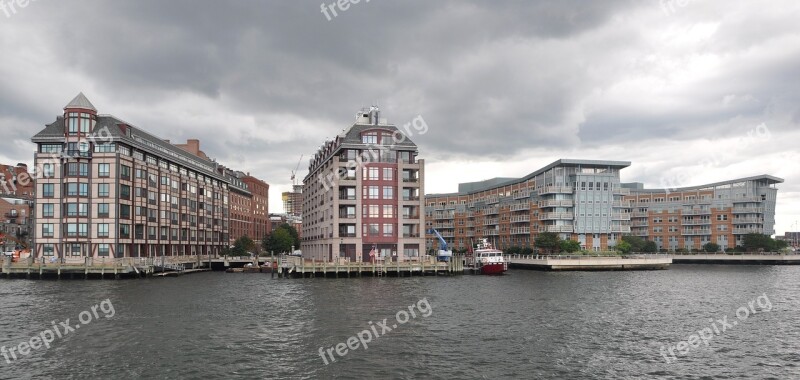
<point x="589" y="263"/>
<point x="296" y="267"/>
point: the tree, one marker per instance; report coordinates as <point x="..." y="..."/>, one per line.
<point x="279" y="241"/>
<point x="650" y="247"/>
<point x="547" y="241"/>
<point x="513" y="250"/>
<point x="527" y="251"/>
<point x="623" y="247"/>
<point x="759" y="242"/>
<point x="636" y="243"/>
<point x="293" y="232"/>
<point x="242" y="246"/>
<point x="570" y="246"/>
<point x="711" y="247"/>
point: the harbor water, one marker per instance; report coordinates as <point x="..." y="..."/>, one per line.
<point x="526" y="324"/>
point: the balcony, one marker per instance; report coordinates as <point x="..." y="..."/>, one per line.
<point x="639" y="214"/>
<point x="747" y="221"/>
<point x="620" y="216"/>
<point x="696" y="222"/>
<point x="521" y="219"/>
<point x="492" y="200"/>
<point x="555" y="203"/>
<point x="490" y="222"/>
<point x="640" y="223"/>
<point x="347" y="234"/>
<point x="520" y="206"/>
<point x="623" y="204"/>
<point x="411" y="235"/>
<point x="491" y="232"/>
<point x="748" y="210"/>
<point x="555" y="229"/>
<point x="522" y="194"/>
<point x="555" y="190"/>
<point x="347" y="216"/>
<point x="491" y="211"/>
<point x="749" y="230"/>
<point x="621" y="191"/>
<point x="695" y="212"/>
<point x="749" y="199"/>
<point x="699" y="231"/>
<point x="416" y="198"/>
<point x="443" y="225"/>
<point x="621" y="229"/>
<point x="689" y="202"/>
<point x="410" y="180"/>
<point x="521" y="231"/>
<point x="556" y="216"/>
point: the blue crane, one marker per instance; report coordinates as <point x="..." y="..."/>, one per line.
<point x="444" y="254"/>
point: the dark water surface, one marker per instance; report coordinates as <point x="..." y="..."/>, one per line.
<point x="522" y="325"/>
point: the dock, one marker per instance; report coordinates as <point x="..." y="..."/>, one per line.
<point x="296" y="267"/>
<point x="589" y="263"/>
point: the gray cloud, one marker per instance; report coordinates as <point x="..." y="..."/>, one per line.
<point x="262" y="82"/>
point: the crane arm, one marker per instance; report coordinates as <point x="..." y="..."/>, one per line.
<point x="439" y="236"/>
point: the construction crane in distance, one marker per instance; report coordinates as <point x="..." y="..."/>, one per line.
<point x="294" y="172"/>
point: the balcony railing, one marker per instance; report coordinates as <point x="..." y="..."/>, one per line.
<point x="748" y="210"/>
<point x="521" y="206"/>
<point x="640" y="223"/>
<point x="750" y="199"/>
<point x="621" y="191"/>
<point x="520" y="219"/>
<point x="639" y="214"/>
<point x="522" y="194"/>
<point x="620" y="216"/>
<point x="751" y="230"/>
<point x="695" y="212"/>
<point x="490" y="222"/>
<point x="702" y="231"/>
<point x="491" y="211"/>
<point x="696" y="222"/>
<point x="555" y="190"/>
<point x="554" y="203"/>
<point x="747" y="221"/>
<point x="621" y="229"/>
<point x="521" y="231"/>
<point x="623" y="204"/>
<point x="556" y="216"/>
<point x="555" y="229"/>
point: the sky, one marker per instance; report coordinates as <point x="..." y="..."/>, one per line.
<point x="689" y="91"/>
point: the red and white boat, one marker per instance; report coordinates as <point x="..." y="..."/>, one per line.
<point x="488" y="260"/>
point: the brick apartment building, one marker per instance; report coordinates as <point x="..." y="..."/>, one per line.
<point x="585" y="201"/>
<point x="16" y="206"/>
<point x="249" y="199"/>
<point x="363" y="192"/>
<point x="111" y="189"/>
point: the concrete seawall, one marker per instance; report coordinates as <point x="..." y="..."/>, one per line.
<point x="744" y="259"/>
<point x="590" y="263"/>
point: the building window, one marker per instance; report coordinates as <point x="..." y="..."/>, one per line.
<point x="388" y="211"/>
<point x="371" y="192"/>
<point x="48" y="210"/>
<point x="51" y="148"/>
<point x="102" y="210"/>
<point x="102" y="190"/>
<point x="102" y="230"/>
<point x="48" y="171"/>
<point x="124" y="192"/>
<point x="48" y="249"/>
<point x="72" y="123"/>
<point x="86" y="123"/>
<point x="124" y="231"/>
<point x="125" y="211"/>
<point x="369" y="138"/>
<point x="103" y="170"/>
<point x="388" y="174"/>
<point x="47" y="230"/>
<point x="105" y="148"/>
<point x="48" y="190"/>
<point x="371" y="173"/>
<point x="388" y="229"/>
<point x="374" y="229"/>
<point x="374" y="211"/>
<point x="722" y="217"/>
<point x="388" y="192"/>
<point x="103" y="250"/>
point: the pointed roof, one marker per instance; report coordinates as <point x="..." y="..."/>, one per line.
<point x="80" y="101"/>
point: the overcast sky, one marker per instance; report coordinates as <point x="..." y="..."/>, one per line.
<point x="689" y="91"/>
